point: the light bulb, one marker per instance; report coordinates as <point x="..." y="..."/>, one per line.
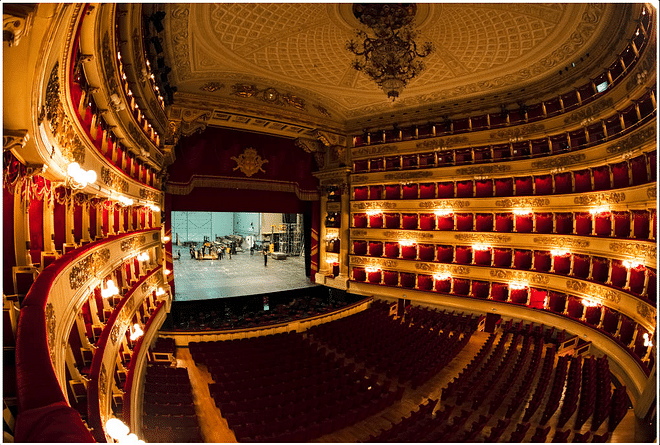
<point x="116" y="428"/>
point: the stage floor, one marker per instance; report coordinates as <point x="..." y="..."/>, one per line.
<point x="243" y="274"/>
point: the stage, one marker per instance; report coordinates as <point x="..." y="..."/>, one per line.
<point x="243" y="274"/>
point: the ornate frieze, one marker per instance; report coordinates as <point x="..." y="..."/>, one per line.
<point x="593" y="290"/>
<point x="522" y="202"/>
<point x="647" y="312"/>
<point x="358" y="179"/>
<point x="374" y="205"/>
<point x="132" y="243"/>
<point x="561" y="242"/>
<point x="652" y="192"/>
<point x="508" y="275"/>
<point x="635" y="140"/>
<point x="249" y="162"/>
<point x="332" y="206"/>
<point x="269" y="95"/>
<point x="149" y="195"/>
<point x="364" y="261"/>
<point x="406" y="235"/>
<point x="482" y="238"/>
<point x="114" y="333"/>
<point x="445" y="204"/>
<point x="600" y="198"/>
<point x="358" y="233"/>
<point x="483" y="169"/>
<point x="212" y="87"/>
<point x="636" y="250"/>
<point x="402" y="176"/>
<point x="586" y="112"/>
<point x="88" y="267"/>
<point x="516" y="132"/>
<point x="442" y="144"/>
<point x="443" y="268"/>
<point x="114" y="180"/>
<point x="50" y="330"/>
<point x="372" y="150"/>
<point x="560" y="161"/>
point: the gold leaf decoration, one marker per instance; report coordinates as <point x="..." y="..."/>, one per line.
<point x="88" y="267"/>
<point x="50" y="330"/>
<point x="249" y="162"/>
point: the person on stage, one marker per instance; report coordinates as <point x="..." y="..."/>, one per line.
<point x="265" y="258"/>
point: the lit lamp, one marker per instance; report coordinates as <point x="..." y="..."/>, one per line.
<point x="589" y="303"/>
<point x="120" y="432"/>
<point x="647" y="340"/>
<point x="559" y="252"/>
<point x="631" y="264"/>
<point x="442" y="277"/>
<point x="136" y="332"/>
<point x="154" y="208"/>
<point x="600" y="210"/>
<point x="480" y="247"/>
<point x="110" y="290"/>
<point x="443" y="212"/>
<point x="518" y="285"/>
<point x="124" y="201"/>
<point x="522" y="212"/>
<point x="166" y="239"/>
<point x="144" y="256"/>
<point x="160" y="292"/>
<point x="77" y="178"/>
<point x="167" y="271"/>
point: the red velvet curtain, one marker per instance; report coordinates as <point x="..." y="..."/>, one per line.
<point x="105" y="221"/>
<point x="36" y="227"/>
<point x="116" y="221"/>
<point x="59" y="225"/>
<point x="316" y="226"/>
<point x="92" y="221"/>
<point x="9" y="256"/>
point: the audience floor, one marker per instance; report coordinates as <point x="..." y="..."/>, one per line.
<point x="243" y="274"/>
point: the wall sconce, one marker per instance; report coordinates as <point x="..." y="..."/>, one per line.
<point x="374" y="212"/>
<point x="443" y="212"/>
<point x="442" y="277"/>
<point x="589" y="303"/>
<point x="167" y="271"/>
<point x="166" y="239"/>
<point x="522" y="212"/>
<point x="600" y="210"/>
<point x="480" y="247"/>
<point x="136" y="332"/>
<point x="559" y="252"/>
<point x="160" y="292"/>
<point x="110" y="290"/>
<point x="370" y="269"/>
<point x="120" y="432"/>
<point x="144" y="256"/>
<point x="154" y="208"/>
<point x="518" y="285"/>
<point x="124" y="201"/>
<point x="632" y="264"/>
<point x="406" y="243"/>
<point x="647" y="340"/>
<point x="78" y="178"/>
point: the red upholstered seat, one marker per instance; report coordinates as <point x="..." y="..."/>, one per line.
<point x="376" y="164"/>
<point x="443" y="285"/>
<point x="361" y="166"/>
<point x="464" y="189"/>
<point x="359" y="220"/>
<point x="619" y="274"/>
<point x="426" y="252"/>
<point x="427" y="221"/>
<point x="425" y="282"/>
<point x="627" y="329"/>
<point x="524" y="223"/>
<point x="637" y="276"/>
<point x="409" y="252"/>
<point x="583" y="223"/>
<point x="376" y="221"/>
<point x="640" y="220"/>
<point x="564" y="223"/>
<point x="557" y="301"/>
<point x="610" y="320"/>
<point x="445" y="190"/>
<point x="463" y="222"/>
<point x="638" y="167"/>
<point x="445" y="222"/>
<point x="480" y="289"/>
<point x="375" y="248"/>
<point x="542" y="261"/>
<point x="409" y="221"/>
<point x="361" y="193"/>
<point x="524" y="186"/>
<point x="652" y="289"/>
<point x="620" y="176"/>
<point x="392" y="191"/>
<point x="601" y="177"/>
<point x="484" y="188"/>
<point x="600" y="269"/>
<point x="360" y="247"/>
<point x="375" y="192"/>
<point x="503" y="222"/>
<point x="445" y="254"/>
<point x="392" y="249"/>
<point x="522" y="259"/>
<point x="504" y="187"/>
<point x="621" y="224"/>
<point x="592" y="315"/>
<point x="463" y="254"/>
<point x="518" y="296"/>
<point x="603" y="224"/>
<point x="374" y="277"/>
<point x="562" y="264"/>
<point x="563" y="183"/>
<point x="392" y="221"/>
<point x="582" y="180"/>
<point x="391" y="278"/>
<point x="409" y="161"/>
<point x="581" y="266"/>
<point x="482" y="257"/>
<point x="484" y="222"/>
<point x="499" y="291"/>
<point x="501" y="257"/>
<point x="427" y="191"/>
<point x="426" y="160"/>
<point x="359" y="274"/>
<point x="407" y="280"/>
<point x="393" y="163"/>
<point x="410" y="191"/>
<point x="461" y="286"/>
<point x="575" y="307"/>
<point x="544" y="222"/>
<point x="543" y="185"/>
<point x="537" y="298"/>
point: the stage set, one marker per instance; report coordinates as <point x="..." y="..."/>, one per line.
<point x="242" y="274"/>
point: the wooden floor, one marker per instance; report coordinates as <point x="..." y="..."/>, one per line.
<point x="214" y="427"/>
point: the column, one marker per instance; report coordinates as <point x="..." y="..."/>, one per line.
<point x="344" y="231"/>
<point x="323" y="266"/>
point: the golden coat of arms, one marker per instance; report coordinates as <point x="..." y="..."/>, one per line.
<point x="249" y="162"/>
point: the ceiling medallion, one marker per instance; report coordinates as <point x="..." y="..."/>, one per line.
<point x="389" y="50"/>
<point x="249" y="162"/>
<point x="212" y="87"/>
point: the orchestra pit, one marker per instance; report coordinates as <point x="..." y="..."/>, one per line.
<point x="330" y="222"/>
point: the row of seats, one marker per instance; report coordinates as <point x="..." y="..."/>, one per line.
<point x="619" y="224"/>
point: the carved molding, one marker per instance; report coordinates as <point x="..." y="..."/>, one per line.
<point x="132" y="243"/>
<point x="14" y="139"/>
<point x="445" y="204"/>
<point x="516" y="132"/>
<point x="358" y="233"/>
<point x="483" y="169"/>
<point x="114" y="180"/>
<point x="50" y="330"/>
<point x="150" y="195"/>
<point x="374" y="205"/>
<point x="482" y="238"/>
<point x="600" y="198"/>
<point x="522" y="202"/>
<point x="406" y="235"/>
<point x="87" y="268"/>
<point x="408" y="175"/>
<point x="443" y="268"/>
<point x="591" y="110"/>
<point x="593" y="290"/>
<point x="442" y="143"/>
<point x="634" y="141"/>
<point x="636" y="250"/>
<point x="374" y="150"/>
<point x="647" y="312"/>
<point x="363" y="261"/>
<point x="560" y="161"/>
<point x="16" y="21"/>
<point x="530" y="277"/>
<point x="561" y="242"/>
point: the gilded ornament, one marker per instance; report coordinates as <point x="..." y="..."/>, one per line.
<point x="374" y="205"/>
<point x="358" y="233"/>
<point x="522" y="202"/>
<point x="636" y="250"/>
<point x="600" y="198"/>
<point x="483" y="169"/>
<point x="589" y="111"/>
<point x="559" y="162"/>
<point x="635" y="140"/>
<point x="358" y="260"/>
<point x="294" y="101"/>
<point x="536" y="278"/>
<point x="445" y="204"/>
<point x="249" y="162"/>
<point x="558" y="241"/>
<point x="114" y="180"/>
<point x="149" y="195"/>
<point x="132" y="243"/>
<point x="103" y="381"/>
<point x="322" y="110"/>
<point x="402" y="234"/>
<point x="652" y="192"/>
<point x="88" y="267"/>
<point x="646" y="312"/>
<point x="442" y="144"/>
<point x="482" y="238"/>
<point x="522" y="131"/>
<point x="374" y="150"/>
<point x="212" y="87"/>
<point x="443" y="268"/>
<point x="408" y="175"/>
<point x="593" y="290"/>
<point x="114" y="333"/>
<point x="50" y="330"/>
<point x="358" y="179"/>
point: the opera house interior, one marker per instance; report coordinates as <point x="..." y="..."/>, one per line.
<point x="469" y="191"/>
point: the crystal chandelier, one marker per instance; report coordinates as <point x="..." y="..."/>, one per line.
<point x="389" y="51"/>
